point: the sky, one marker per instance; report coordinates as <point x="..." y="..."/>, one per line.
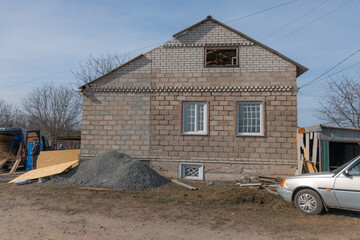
<point x="41" y="41"/>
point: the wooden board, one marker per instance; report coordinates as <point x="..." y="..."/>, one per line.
<point x="49" y="158"/>
<point x="15" y="166"/>
<point x="17" y="162"/>
<point x="3" y="161"/>
<point x="309" y="167"/>
<point x="46" y="171"/>
<point x="315" y="148"/>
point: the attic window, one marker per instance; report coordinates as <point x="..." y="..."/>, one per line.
<point x="221" y="57"/>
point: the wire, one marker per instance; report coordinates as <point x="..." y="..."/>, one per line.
<point x="69" y="70"/>
<point x="317" y="79"/>
<point x="36" y="79"/>
<point x="315" y="20"/>
<point x="160" y="43"/>
<point x="296" y="19"/>
<point x="261" y="11"/>
<point x="342" y="70"/>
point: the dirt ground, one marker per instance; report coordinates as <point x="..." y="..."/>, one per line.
<point x="44" y="211"/>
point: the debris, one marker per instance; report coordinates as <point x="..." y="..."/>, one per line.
<point x="274" y="179"/>
<point x="97" y="189"/>
<point x="46" y="171"/>
<point x="249" y="184"/>
<point x="23" y="182"/>
<point x="112" y="170"/>
<point x="183" y="184"/>
<point x="271" y="191"/>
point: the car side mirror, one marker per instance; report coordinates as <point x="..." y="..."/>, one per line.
<point x="346" y="172"/>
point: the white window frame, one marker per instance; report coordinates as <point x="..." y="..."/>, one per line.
<point x="205" y="114"/>
<point x="261" y="133"/>
<point x="183" y="166"/>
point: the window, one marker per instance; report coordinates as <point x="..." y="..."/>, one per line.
<point x="355" y="171"/>
<point x="192" y="171"/>
<point x="226" y="57"/>
<point x="250" y="118"/>
<point x="194" y="120"/>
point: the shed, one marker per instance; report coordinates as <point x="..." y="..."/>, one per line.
<point x="326" y="146"/>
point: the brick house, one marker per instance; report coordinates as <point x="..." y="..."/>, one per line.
<point x="210" y="104"/>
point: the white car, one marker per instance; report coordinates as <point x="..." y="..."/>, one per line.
<point x="315" y="191"/>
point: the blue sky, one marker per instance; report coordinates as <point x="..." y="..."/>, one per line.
<point x="41" y="37"/>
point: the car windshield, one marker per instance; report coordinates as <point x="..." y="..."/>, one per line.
<point x="339" y="169"/>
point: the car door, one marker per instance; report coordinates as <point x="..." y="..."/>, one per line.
<point x="347" y="187"/>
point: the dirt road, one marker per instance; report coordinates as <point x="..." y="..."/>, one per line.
<point x="41" y="211"/>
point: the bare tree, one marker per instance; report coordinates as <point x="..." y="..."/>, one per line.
<point x="11" y="115"/>
<point x="341" y="104"/>
<point x="55" y="110"/>
<point x="95" y="67"/>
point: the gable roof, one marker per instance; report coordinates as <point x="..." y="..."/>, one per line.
<point x="300" y="69"/>
<point x="106" y="74"/>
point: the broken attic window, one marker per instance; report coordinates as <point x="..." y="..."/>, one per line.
<point x="221" y="57"/>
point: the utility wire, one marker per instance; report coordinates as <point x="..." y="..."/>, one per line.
<point x="261" y="11"/>
<point x="36" y="79"/>
<point x="323" y="78"/>
<point x="315" y="20"/>
<point x="69" y="70"/>
<point x="296" y="19"/>
<point x="317" y="79"/>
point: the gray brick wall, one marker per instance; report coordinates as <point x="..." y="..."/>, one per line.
<point x="147" y="125"/>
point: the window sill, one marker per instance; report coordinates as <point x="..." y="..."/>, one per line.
<point x="222" y="66"/>
<point x="250" y="135"/>
<point x="194" y="134"/>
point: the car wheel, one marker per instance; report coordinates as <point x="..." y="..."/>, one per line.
<point x="309" y="202"/>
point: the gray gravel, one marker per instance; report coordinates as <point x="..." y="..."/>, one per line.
<point x="112" y="170"/>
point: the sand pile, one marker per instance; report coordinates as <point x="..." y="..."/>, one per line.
<point x="112" y="170"/>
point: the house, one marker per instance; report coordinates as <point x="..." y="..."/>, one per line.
<point x="210" y="104"/>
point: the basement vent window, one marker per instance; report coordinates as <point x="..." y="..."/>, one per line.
<point x="192" y="171"/>
<point x="221" y="57"/>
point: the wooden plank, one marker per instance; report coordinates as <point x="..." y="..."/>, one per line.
<point x="300" y="143"/>
<point x="46" y="171"/>
<point x="183" y="184"/>
<point x="49" y="158"/>
<point x="17" y="162"/>
<point x="307" y="146"/>
<point x="315" y="148"/>
<point x="3" y="161"/>
<point x="309" y="167"/>
<point x="15" y="166"/>
<point x="299" y="138"/>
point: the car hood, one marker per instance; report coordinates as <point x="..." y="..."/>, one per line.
<point x="313" y="175"/>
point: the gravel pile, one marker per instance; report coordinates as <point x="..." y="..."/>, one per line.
<point x="112" y="170"/>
